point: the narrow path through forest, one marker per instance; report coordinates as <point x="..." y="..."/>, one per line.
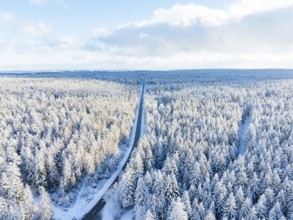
<point x="243" y="129"/>
<point x="95" y="212"/>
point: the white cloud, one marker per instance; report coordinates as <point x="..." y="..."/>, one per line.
<point x="38" y="29"/>
<point x="6" y="17"/>
<point x="186" y="15"/>
<point x="191" y="14"/>
<point x="66" y="42"/>
<point x="191" y="36"/>
<point x="7" y="46"/>
<point x="100" y="32"/>
<point x="183" y="36"/>
<point x="244" y="8"/>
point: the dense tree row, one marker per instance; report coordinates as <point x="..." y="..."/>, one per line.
<point x="53" y="134"/>
<point x="188" y="165"/>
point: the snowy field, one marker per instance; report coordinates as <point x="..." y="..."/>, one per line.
<point x="215" y="144"/>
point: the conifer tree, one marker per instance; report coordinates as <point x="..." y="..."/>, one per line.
<point x="46" y="210"/>
<point x="176" y="211"/>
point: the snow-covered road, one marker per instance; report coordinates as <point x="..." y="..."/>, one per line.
<point x="95" y="208"/>
<point x="84" y="209"/>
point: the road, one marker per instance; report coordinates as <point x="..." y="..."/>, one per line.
<point x="95" y="213"/>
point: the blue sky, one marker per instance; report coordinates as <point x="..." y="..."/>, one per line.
<point x="153" y="34"/>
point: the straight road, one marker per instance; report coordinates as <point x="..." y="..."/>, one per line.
<point x="95" y="213"/>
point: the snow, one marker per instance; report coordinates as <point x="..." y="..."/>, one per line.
<point x="143" y="121"/>
<point x="127" y="215"/>
<point x="84" y="204"/>
<point x="242" y="134"/>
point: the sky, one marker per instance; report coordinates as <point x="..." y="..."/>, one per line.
<point x="148" y="35"/>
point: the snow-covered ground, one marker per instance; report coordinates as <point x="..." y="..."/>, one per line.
<point x="143" y="120"/>
<point x="89" y="196"/>
<point x="127" y="215"/>
<point x="242" y="134"/>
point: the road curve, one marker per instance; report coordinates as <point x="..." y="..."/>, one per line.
<point x="95" y="212"/>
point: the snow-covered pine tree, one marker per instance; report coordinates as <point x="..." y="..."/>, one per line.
<point x="275" y="213"/>
<point x="46" y="210"/>
<point x="230" y="207"/>
<point x="187" y="204"/>
<point x="128" y="188"/>
<point x="176" y="211"/>
<point x="142" y="199"/>
<point x="149" y="215"/>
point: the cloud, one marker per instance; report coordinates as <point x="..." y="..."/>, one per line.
<point x="66" y="42"/>
<point x="100" y="32"/>
<point x="7" y="46"/>
<point x="6" y="17"/>
<point x="196" y="36"/>
<point x="247" y="34"/>
<point x="186" y="15"/>
<point x="191" y="14"/>
<point x="244" y="8"/>
<point x="38" y="29"/>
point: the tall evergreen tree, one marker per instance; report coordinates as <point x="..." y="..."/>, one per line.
<point x="46" y="210"/>
<point x="176" y="211"/>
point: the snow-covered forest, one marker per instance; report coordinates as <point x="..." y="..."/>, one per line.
<point x="215" y="144"/>
<point x="214" y="148"/>
<point x="56" y="134"/>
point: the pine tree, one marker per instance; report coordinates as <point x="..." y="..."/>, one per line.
<point x="276" y="181"/>
<point x="261" y="207"/>
<point x="186" y="202"/>
<point x="30" y="208"/>
<point x="67" y="173"/>
<point x="250" y="140"/>
<point x="252" y="215"/>
<point x="253" y="185"/>
<point x="210" y="216"/>
<point x="168" y="166"/>
<point x="270" y="198"/>
<point x="11" y="182"/>
<point x="242" y="178"/>
<point x="127" y="188"/>
<point x="176" y="211"/>
<point x="4" y="208"/>
<point x="246" y="207"/>
<point x="39" y="169"/>
<point x="46" y="210"/>
<point x="194" y="213"/>
<point x="148" y="181"/>
<point x="141" y="193"/>
<point x="142" y="198"/>
<point x="171" y="188"/>
<point x="275" y="213"/>
<point x="149" y="215"/>
<point x="201" y="210"/>
<point x="281" y="197"/>
<point x="159" y="198"/>
<point x="220" y="193"/>
<point x="195" y="175"/>
<point x="239" y="198"/>
<point x="230" y="207"/>
<point x="191" y="192"/>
